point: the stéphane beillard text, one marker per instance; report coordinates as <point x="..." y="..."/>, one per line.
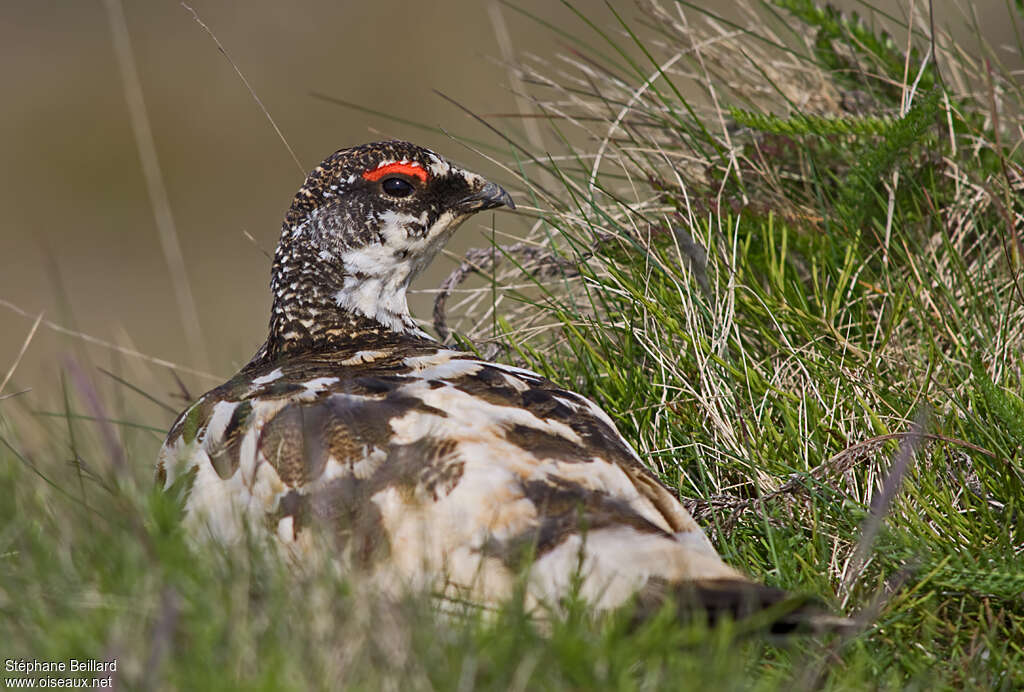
<point x="72" y="665"/>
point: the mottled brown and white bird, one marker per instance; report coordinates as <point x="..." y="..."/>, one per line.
<point x="423" y="466"/>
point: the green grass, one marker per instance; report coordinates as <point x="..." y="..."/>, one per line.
<point x="764" y="287"/>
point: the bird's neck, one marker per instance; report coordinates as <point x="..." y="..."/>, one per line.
<point x="320" y="303"/>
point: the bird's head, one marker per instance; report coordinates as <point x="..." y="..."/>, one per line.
<point x="365" y="222"/>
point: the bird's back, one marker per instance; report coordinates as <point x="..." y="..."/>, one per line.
<point x="428" y="467"/>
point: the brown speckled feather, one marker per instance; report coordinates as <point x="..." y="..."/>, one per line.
<point x="498" y="462"/>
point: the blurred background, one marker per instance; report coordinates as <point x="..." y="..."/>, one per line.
<point x="78" y="240"/>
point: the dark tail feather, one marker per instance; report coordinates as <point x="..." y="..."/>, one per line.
<point x="755" y="605"/>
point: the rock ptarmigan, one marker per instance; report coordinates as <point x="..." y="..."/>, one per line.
<point x="421" y="465"/>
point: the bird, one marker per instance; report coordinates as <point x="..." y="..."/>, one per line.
<point x="352" y="435"/>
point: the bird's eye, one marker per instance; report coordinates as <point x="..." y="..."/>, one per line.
<point x="397" y="187"/>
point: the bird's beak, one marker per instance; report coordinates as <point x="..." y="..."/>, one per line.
<point x="490" y="196"/>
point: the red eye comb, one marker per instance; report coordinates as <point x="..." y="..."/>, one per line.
<point x="411" y="169"/>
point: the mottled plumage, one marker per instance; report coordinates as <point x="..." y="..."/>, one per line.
<point x="353" y="434"/>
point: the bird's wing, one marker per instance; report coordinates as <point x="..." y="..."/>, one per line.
<point x="433" y="462"/>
